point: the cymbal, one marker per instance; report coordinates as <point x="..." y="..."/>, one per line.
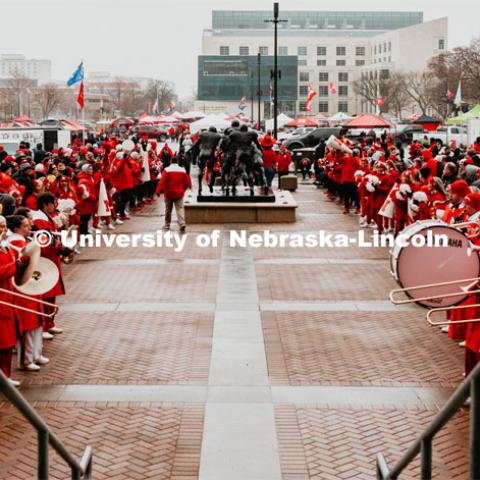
<point x="44" y="277"/>
<point x="33" y="251"/>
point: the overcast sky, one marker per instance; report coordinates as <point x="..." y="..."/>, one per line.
<point x="162" y="38"/>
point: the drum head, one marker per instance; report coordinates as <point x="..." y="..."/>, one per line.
<point x="426" y="265"/>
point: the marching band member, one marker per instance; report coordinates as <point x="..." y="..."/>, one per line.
<point x="9" y="267"/>
<point x="30" y="343"/>
<point x="42" y="220"/>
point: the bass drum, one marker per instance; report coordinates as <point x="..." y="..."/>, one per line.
<point x="414" y="266"/>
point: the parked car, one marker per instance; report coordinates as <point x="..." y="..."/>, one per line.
<point x="157" y="132"/>
<point x="312" y="139"/>
<point x="445" y="134"/>
<point x="283" y="136"/>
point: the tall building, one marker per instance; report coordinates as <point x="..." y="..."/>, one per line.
<point x="331" y="48"/>
<point x="11" y="65"/>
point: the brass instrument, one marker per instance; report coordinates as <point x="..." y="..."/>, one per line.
<point x="29" y="297"/>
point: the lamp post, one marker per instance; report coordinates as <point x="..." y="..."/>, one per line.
<point x="275" y="72"/>
<point x="259" y="90"/>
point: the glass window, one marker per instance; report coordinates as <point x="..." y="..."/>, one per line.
<point x="302" y="106"/>
<point x="323" y="77"/>
<point x="343" y="91"/>
<point x="341" y="63"/>
<point x="359" y="63"/>
<point x="302" y="50"/>
<point x="323" y="107"/>
<point x="283" y="51"/>
<point x="303" y="90"/>
<point x="321" y="63"/>
<point x="303" y="76"/>
<point x="323" y="91"/>
<point x="343" y="76"/>
<point x="385" y="47"/>
<point x="390" y="46"/>
<point x="341" y="51"/>
<point x="239" y="67"/>
<point x="302" y="63"/>
<point x="343" y="106"/>
<point x="243" y="51"/>
<point x="224" y="50"/>
<point x="441" y="44"/>
<point x="321" y="51"/>
<point x="360" y="51"/>
<point x="384" y="74"/>
<point x="375" y="49"/>
<point x="263" y="50"/>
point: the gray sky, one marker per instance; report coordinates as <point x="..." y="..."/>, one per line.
<point x="162" y="38"/>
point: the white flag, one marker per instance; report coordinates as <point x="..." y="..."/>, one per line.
<point x="146" y="168"/>
<point x="458" y="96"/>
<point x="103" y="204"/>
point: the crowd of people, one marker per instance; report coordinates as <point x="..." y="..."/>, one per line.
<point x="391" y="186"/>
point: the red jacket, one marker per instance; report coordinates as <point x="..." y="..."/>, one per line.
<point x="269" y="158"/>
<point x="283" y="162"/>
<point x="121" y="175"/>
<point x="174" y="182"/>
<point x="350" y="166"/>
<point x="87" y="193"/>
<point x="8" y="331"/>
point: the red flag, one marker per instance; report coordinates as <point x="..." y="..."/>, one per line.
<point x="333" y="90"/>
<point x="81" y="97"/>
<point x="311" y="94"/>
<point x="380" y="102"/>
<point x="450" y="94"/>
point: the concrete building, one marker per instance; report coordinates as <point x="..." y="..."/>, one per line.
<point x="332" y="49"/>
<point x="40" y="71"/>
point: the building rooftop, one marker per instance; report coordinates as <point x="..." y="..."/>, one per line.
<point x="292" y="33"/>
<point x="315" y="20"/>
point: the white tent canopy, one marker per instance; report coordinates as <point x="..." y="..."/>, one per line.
<point x="209" y="121"/>
<point x="340" y="117"/>
<point x="192" y="114"/>
<point x="282" y="120"/>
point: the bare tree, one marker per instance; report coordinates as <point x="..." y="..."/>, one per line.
<point x="162" y="90"/>
<point x="370" y="87"/>
<point x="418" y="89"/>
<point x="47" y="98"/>
<point x="20" y="86"/>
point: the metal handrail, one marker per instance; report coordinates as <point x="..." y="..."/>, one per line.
<point x="469" y="387"/>
<point x="82" y="469"/>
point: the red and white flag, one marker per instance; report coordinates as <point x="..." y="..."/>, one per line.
<point x="450" y="94"/>
<point x="380" y="102"/>
<point x="311" y="95"/>
<point x="333" y="90"/>
<point x="103" y="203"/>
<point x="81" y="96"/>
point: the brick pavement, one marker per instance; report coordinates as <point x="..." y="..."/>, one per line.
<point x="359" y="348"/>
<point x="333" y="444"/>
<point x="134" y="440"/>
<point x="130" y="441"/>
<point x="128" y="348"/>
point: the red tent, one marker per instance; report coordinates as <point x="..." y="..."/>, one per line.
<point x="302" y="122"/>
<point x="367" y="121"/>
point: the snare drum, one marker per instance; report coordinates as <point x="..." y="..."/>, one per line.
<point x="414" y="266"/>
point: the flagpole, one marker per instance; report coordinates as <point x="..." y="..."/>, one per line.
<point x="83" y="109"/>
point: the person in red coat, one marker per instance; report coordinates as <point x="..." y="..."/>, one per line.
<point x="30" y="343"/>
<point x="174" y="183"/>
<point x="9" y="267"/>
<point x="269" y="158"/>
<point x="350" y="165"/>
<point x="42" y="220"/>
<point x="122" y="180"/>
<point x="284" y="159"/>
<point x="87" y="194"/>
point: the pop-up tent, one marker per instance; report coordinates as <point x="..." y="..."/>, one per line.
<point x="282" y="120"/>
<point x="302" y="122"/>
<point x="367" y="121"/>
<point x="217" y="121"/>
<point x="463" y="119"/>
<point x="339" y="117"/>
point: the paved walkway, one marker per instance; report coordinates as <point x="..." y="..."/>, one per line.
<point x="239" y="363"/>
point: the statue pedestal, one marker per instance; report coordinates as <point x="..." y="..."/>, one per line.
<point x="242" y="208"/>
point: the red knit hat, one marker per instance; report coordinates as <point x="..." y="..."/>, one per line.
<point x="460" y="187"/>
<point x="473" y="199"/>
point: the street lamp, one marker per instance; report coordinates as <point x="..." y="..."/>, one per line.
<point x="275" y="72"/>
<point x="259" y="91"/>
